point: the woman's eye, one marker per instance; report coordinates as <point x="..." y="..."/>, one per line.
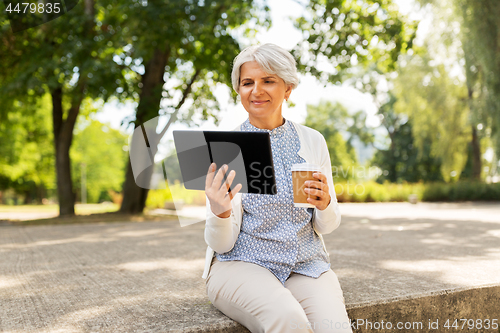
<point x="246" y="84"/>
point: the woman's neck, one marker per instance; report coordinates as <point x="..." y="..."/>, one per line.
<point x="268" y="124"/>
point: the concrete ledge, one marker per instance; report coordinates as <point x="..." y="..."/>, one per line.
<point x="420" y="313"/>
<point x="428" y="313"/>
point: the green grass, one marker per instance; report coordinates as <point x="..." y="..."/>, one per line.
<point x="87" y="209"/>
<point x="177" y="192"/>
<point x="374" y="192"/>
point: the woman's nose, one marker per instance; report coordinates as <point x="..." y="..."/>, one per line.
<point x="257" y="89"/>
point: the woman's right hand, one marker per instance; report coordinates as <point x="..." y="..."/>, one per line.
<point x="217" y="192"/>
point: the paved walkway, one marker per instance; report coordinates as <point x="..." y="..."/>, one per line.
<point x="146" y="277"/>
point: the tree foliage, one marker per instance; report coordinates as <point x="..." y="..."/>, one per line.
<point x="476" y="28"/>
<point x="126" y="49"/>
<point x="341" y="34"/>
<point x="184" y="55"/>
<point x="481" y="44"/>
<point x="26" y="154"/>
<point x="192" y="44"/>
<point x="437" y="105"/>
<point x="71" y="58"/>
<point x="353" y="41"/>
<point x="335" y="123"/>
<point x="99" y="149"/>
<point x="403" y="161"/>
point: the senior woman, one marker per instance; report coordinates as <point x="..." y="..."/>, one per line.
<point x="267" y="266"/>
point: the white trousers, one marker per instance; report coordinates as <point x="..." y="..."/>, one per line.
<point x="251" y="295"/>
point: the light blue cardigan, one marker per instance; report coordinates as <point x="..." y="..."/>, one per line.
<point x="221" y="233"/>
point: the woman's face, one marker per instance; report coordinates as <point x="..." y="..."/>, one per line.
<point x="262" y="95"/>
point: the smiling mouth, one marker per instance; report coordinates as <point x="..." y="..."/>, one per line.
<point x="259" y="102"/>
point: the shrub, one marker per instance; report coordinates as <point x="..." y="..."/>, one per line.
<point x="157" y="198"/>
<point x="461" y="191"/>
<point x="177" y="192"/>
<point x="352" y="191"/>
<point x="375" y="192"/>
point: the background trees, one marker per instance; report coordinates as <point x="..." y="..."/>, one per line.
<point x="438" y="101"/>
<point x="189" y="48"/>
<point x="339" y="35"/>
<point x="467" y="33"/>
<point x="335" y="123"/>
<point x="98" y="152"/>
<point x="437" y="105"/>
<point x="126" y="49"/>
<point x="26" y="154"/>
<point x="69" y="58"/>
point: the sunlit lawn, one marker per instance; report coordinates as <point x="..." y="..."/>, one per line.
<point x="80" y="209"/>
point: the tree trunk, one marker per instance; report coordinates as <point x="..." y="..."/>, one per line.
<point x="39" y="194"/>
<point x="476" y="155"/>
<point x="134" y="197"/>
<point x="63" y="129"/>
<point x="63" y="137"/>
<point x="63" y="166"/>
<point x="27" y="197"/>
<point x="476" y="148"/>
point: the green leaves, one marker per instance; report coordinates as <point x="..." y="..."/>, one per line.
<point x="346" y="34"/>
<point x="472" y="28"/>
<point x="439" y="111"/>
<point x="26" y="151"/>
<point x="100" y="150"/>
<point x="334" y="122"/>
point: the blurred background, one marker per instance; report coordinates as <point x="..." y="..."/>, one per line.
<point x="406" y="93"/>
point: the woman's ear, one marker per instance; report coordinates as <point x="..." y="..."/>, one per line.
<point x="288" y="91"/>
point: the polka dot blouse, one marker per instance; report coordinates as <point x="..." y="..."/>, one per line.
<point x="274" y="233"/>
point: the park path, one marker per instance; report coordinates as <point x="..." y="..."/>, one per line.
<point x="146" y="277"/>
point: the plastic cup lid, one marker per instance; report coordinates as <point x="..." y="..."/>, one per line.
<point x="305" y="167"/>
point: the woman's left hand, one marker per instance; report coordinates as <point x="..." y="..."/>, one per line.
<point x="319" y="189"/>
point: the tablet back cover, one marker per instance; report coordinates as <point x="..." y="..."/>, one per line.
<point x="248" y="153"/>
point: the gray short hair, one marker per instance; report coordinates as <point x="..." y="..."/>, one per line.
<point x="272" y="59"/>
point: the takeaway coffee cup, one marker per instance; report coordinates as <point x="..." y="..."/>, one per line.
<point x="300" y="174"/>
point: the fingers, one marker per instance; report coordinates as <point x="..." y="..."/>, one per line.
<point x="315" y="202"/>
<point x="321" y="184"/>
<point x="217" y="181"/>
<point x="234" y="191"/>
<point x="319" y="204"/>
<point x="318" y="190"/>
<point x="316" y="185"/>
<point x="228" y="183"/>
<point x="216" y="189"/>
<point x="320" y="176"/>
<point x="210" y="176"/>
<point x="321" y="200"/>
<point x="314" y="192"/>
<point x="229" y="180"/>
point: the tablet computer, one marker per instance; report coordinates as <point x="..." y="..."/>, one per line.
<point x="247" y="153"/>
